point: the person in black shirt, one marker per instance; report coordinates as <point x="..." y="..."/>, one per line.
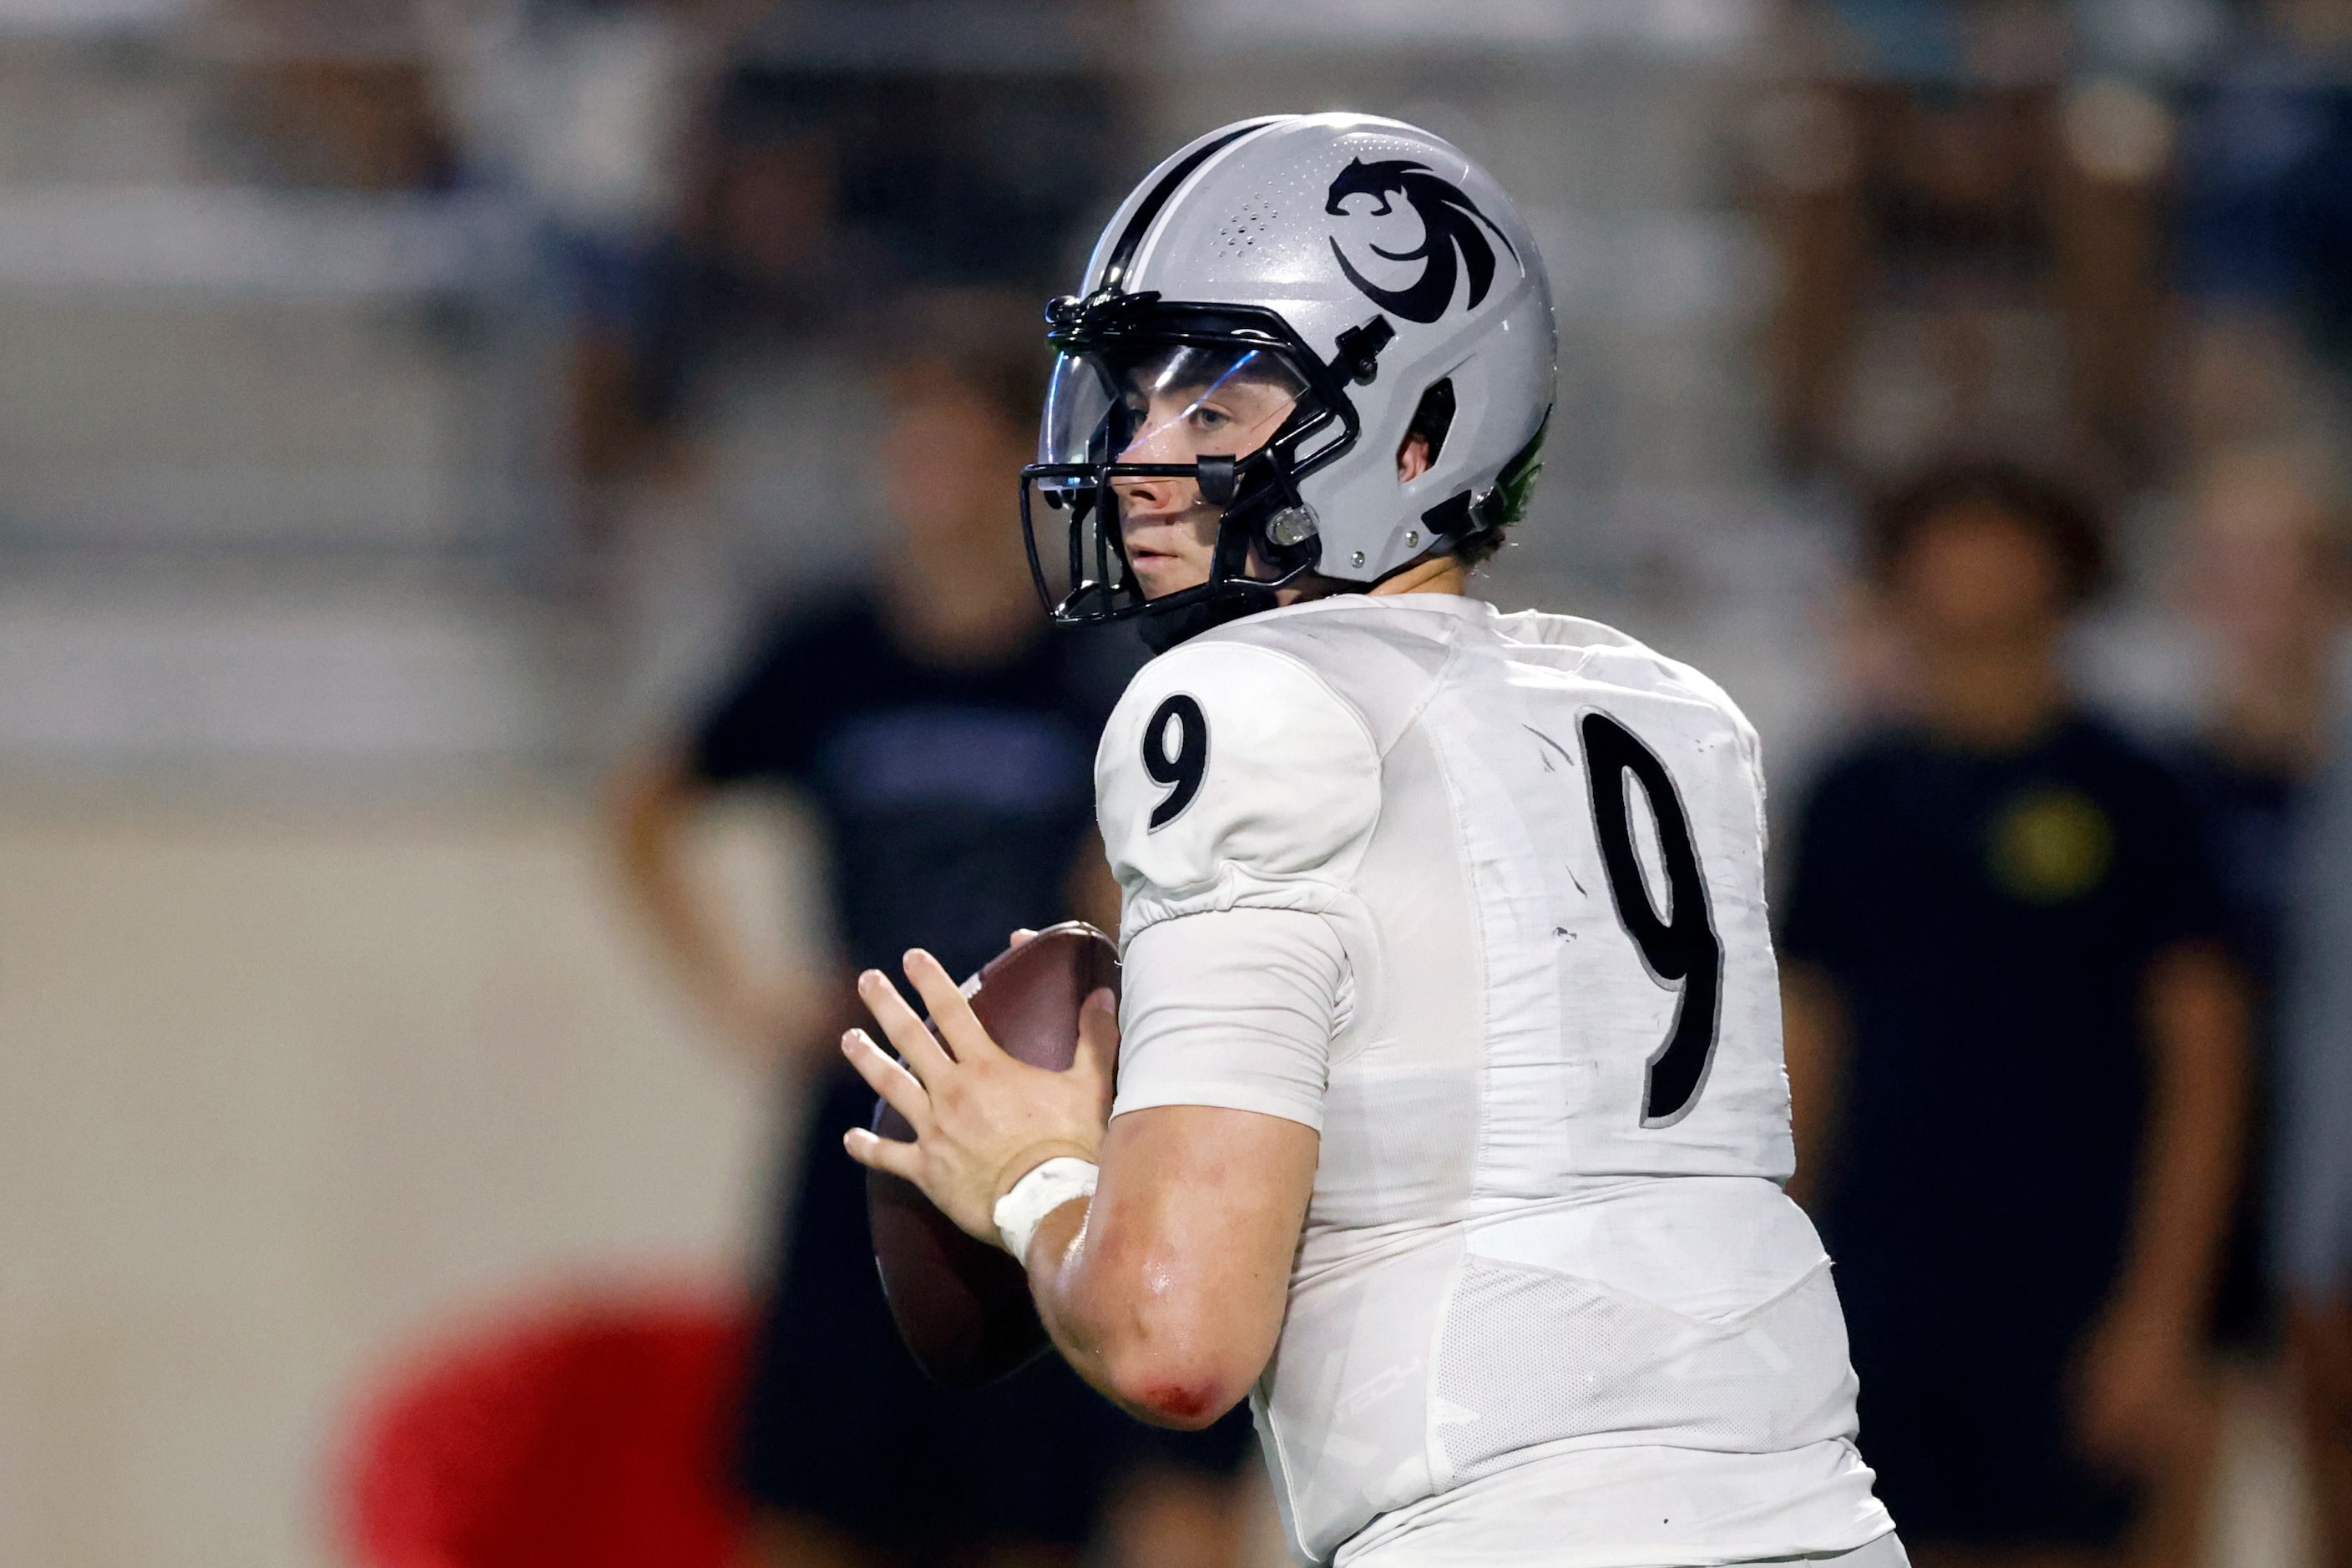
<point x="2014" y="1049"/>
<point x="2263" y="570"/>
<point x="943" y="736"/>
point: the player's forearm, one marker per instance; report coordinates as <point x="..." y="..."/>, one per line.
<point x="1131" y="1328"/>
<point x="1057" y="1282"/>
<point x="2197" y="1023"/>
<point x="1167" y="1290"/>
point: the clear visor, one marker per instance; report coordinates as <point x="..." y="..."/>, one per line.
<point x="1170" y="404"/>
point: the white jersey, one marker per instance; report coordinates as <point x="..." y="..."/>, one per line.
<point x="1481" y="898"/>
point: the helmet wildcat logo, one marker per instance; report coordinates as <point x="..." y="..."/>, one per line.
<point x="1451" y="228"/>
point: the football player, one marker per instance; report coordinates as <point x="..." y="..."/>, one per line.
<point x="1449" y="1122"/>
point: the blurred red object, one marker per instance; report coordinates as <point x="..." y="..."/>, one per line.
<point x="592" y="1435"/>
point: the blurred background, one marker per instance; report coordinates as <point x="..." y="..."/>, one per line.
<point x="412" y="410"/>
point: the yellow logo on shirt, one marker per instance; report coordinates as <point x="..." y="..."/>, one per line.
<point x="2052" y="845"/>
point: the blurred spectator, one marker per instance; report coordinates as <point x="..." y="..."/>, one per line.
<point x="945" y="740"/>
<point x="593" y="113"/>
<point x="331" y="93"/>
<point x="926" y="178"/>
<point x="1937" y="157"/>
<point x="2014" y="1047"/>
<point x="774" y="252"/>
<point x="2263" y="576"/>
<point x="2266" y="216"/>
<point x="2315" y="1138"/>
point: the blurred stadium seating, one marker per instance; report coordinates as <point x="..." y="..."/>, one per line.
<point x="318" y="1028"/>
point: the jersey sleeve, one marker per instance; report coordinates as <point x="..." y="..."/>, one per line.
<point x="1233" y="776"/>
<point x="1233" y="1008"/>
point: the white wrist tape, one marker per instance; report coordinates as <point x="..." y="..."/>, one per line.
<point x="1020" y="1212"/>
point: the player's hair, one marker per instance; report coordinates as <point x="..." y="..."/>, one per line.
<point x="987" y="342"/>
<point x="1432" y="419"/>
<point x="2065" y="520"/>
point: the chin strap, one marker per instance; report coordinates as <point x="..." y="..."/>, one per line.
<point x="1164" y="630"/>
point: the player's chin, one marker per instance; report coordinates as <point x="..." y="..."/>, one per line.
<point x="1160" y="574"/>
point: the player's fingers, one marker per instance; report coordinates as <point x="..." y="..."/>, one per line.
<point x="949" y="1010"/>
<point x="1023" y="934"/>
<point x="1098" y="1033"/>
<point x="903" y="1024"/>
<point x="888" y="1077"/>
<point x="877" y="1153"/>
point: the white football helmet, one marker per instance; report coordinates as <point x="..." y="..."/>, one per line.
<point x="1363" y="267"/>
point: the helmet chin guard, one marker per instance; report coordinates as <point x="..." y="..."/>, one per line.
<point x="1264" y="321"/>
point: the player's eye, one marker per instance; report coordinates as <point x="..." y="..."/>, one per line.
<point x="1207" y="418"/>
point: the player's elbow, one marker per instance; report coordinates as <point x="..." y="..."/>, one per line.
<point x="1171" y="1386"/>
<point x="1167" y="1343"/>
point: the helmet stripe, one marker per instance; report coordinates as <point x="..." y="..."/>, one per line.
<point x="1130" y="239"/>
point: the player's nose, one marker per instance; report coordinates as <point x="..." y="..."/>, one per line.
<point x="1159" y="495"/>
<point x="1156" y="498"/>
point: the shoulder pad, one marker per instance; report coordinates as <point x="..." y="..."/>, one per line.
<point x="1381" y="658"/>
<point x="1232" y="774"/>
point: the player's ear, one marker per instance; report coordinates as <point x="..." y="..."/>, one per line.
<point x="1424" y="438"/>
<point x="1413" y="459"/>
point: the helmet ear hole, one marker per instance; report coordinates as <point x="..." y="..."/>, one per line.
<point x="1433" y="417"/>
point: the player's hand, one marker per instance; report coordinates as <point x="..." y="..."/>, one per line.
<point x="982" y="1120"/>
<point x="2138" y="1395"/>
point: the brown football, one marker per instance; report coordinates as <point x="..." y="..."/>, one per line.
<point x="962" y="1305"/>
